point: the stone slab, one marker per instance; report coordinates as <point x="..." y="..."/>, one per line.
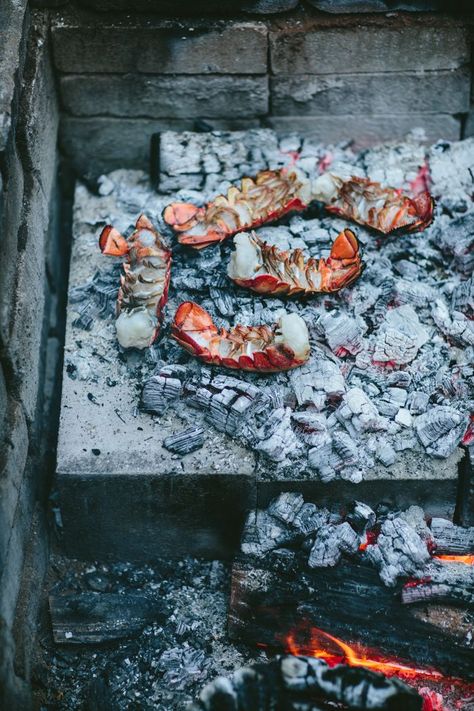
<point x="445" y="91"/>
<point x="368" y="130"/>
<point x="98" y="145"/>
<point x="89" y="43"/>
<point x="304" y="47"/>
<point x="122" y="494"/>
<point x="13" y="17"/>
<point x="165" y="97"/>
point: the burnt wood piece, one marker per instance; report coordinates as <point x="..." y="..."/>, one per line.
<point x="446" y="582"/>
<point x="291" y="683"/>
<point x="92" y="618"/>
<point x="465" y="508"/>
<point x="274" y="596"/>
<point x="451" y="539"/>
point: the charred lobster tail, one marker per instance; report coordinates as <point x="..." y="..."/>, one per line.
<point x="266" y="349"/>
<point x="383" y="209"/>
<point x="267" y="270"/>
<point x="144" y="284"/>
<point x="267" y="197"/>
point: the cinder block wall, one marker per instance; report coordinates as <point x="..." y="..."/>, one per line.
<point x="31" y="280"/>
<point x="331" y="77"/>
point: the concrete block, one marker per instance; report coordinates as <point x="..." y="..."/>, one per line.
<point x="85" y="43"/>
<point x="414" y="479"/>
<point x="3" y="404"/>
<point x="13" y="22"/>
<point x="38" y="112"/>
<point x="469" y="124"/>
<point x="396" y="45"/>
<point x="25" y="345"/>
<point x="13" y="454"/>
<point x="367" y="130"/>
<point x="165" y="97"/>
<point x="12" y="215"/>
<point x="98" y="145"/>
<point x="401" y="93"/>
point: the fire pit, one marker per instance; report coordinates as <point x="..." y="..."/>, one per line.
<point x="380" y="408"/>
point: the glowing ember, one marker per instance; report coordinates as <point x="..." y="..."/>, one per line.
<point x="335" y="651"/>
<point x="466" y="559"/>
<point x="469" y="433"/>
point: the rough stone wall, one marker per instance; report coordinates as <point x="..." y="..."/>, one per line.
<point x="369" y="77"/>
<point x="29" y="337"/>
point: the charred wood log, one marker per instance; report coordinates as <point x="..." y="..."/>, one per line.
<point x="92" y="618"/>
<point x="269" y="601"/>
<point x="290" y="683"/>
<point x="448" y="582"/>
<point x="451" y="539"/>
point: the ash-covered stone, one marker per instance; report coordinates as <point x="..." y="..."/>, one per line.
<point x="286" y="506"/>
<point x="305" y="684"/>
<point x="331" y="543"/>
<point x="440" y="429"/>
<point x="196" y="160"/>
<point x="453" y="324"/>
<point x="448" y="538"/>
<point x="163" y="389"/>
<point x="186" y="441"/>
<point x="444" y="582"/>
<point x="400" y="336"/>
<point x="263" y="533"/>
<point x="451" y="174"/>
<point x="360" y="516"/>
<point x="399" y="552"/>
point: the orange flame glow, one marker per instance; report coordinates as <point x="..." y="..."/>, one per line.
<point x="335" y="651"/>
<point x="466" y="559"/>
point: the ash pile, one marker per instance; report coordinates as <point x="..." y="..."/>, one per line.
<point x="392" y="356"/>
<point x="134" y="637"/>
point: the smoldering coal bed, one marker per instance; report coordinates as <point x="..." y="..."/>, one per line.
<point x="389" y="382"/>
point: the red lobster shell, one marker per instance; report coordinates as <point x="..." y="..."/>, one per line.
<point x="269" y="196"/>
<point x="144" y="285"/>
<point x="256" y="348"/>
<point x="370" y="204"/>
<point x="266" y="270"/>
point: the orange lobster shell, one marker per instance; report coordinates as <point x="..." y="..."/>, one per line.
<point x="145" y="282"/>
<point x="269" y="196"/>
<point x="386" y="210"/>
<point x="252" y="348"/>
<point x="287" y="273"/>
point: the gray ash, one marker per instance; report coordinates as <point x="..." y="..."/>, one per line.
<point x="160" y="668"/>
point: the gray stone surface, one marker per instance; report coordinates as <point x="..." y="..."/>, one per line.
<point x="403" y="93"/>
<point x="305" y="49"/>
<point x="114" y="474"/>
<point x="368" y="130"/>
<point x="36" y="139"/>
<point x="165" y="97"/>
<point x="13" y="453"/>
<point x="12" y="215"/>
<point x="12" y="19"/>
<point x="84" y="43"/>
<point x="99" y="145"/>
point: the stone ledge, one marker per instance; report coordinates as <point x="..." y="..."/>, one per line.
<point x="183" y="97"/>
<point x="368" y="130"/>
<point x="13" y="18"/>
<point x="444" y="91"/>
<point x="98" y="145"/>
<point x="84" y="42"/>
<point x="297" y="48"/>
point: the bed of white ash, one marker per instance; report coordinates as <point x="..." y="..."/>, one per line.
<point x="392" y="357"/>
<point x="161" y="667"/>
